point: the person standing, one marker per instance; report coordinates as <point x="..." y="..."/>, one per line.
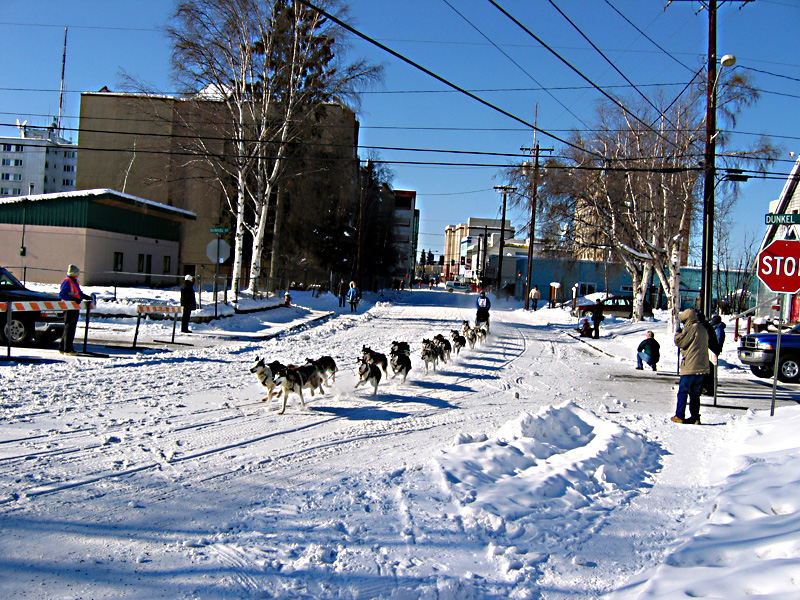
<point x="719" y="330"/>
<point x="597" y="317"/>
<point x="70" y="292"/>
<point x="535" y="296"/>
<point x="649" y="351"/>
<point x="353" y="296"/>
<point x="341" y="292"/>
<point x="188" y="302"/>
<point x="692" y="340"/>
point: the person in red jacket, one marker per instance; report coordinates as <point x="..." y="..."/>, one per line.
<point x="71" y="292"/>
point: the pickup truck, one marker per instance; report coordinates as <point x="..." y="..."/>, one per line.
<point x="757" y="351"/>
<point x="43" y="326"/>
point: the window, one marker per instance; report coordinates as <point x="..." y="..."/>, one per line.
<point x="167" y="264"/>
<point x="11" y="176"/>
<point x="140" y="264"/>
<point x="5" y="176"/>
<point x="6" y="147"/>
<point x="68" y="182"/>
<point x="586" y="288"/>
<point x="16" y="191"/>
<point x="5" y="192"/>
<point x="118" y="261"/>
<point x="12" y="162"/>
<point x="70" y="154"/>
<point x="69" y="168"/>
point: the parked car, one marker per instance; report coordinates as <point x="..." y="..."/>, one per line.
<point x="43" y="326"/>
<point x="757" y="351"/>
<point x="617" y="306"/>
<point x="459" y="286"/>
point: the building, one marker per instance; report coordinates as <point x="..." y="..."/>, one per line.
<point x="113" y="238"/>
<point x="467" y="246"/>
<point x="39" y="161"/>
<point x="405" y="230"/>
<point x="150" y="147"/>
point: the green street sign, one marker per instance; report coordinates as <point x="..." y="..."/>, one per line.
<point x="220" y="229"/>
<point x="776" y="219"/>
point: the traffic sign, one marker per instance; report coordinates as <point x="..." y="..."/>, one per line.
<point x="778" y="219"/>
<point x="218" y="251"/>
<point x="220" y="230"/>
<point x="779" y="266"/>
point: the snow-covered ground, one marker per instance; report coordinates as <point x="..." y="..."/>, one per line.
<point x="532" y="466"/>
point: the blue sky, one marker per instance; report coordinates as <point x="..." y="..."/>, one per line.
<point x="470" y="43"/>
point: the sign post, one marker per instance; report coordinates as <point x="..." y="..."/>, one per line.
<point x="218" y="253"/>
<point x="779" y="270"/>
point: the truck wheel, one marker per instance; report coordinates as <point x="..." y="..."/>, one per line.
<point x="19" y="332"/>
<point x="763" y="372"/>
<point x="789" y="370"/>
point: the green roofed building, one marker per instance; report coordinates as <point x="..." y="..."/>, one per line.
<point x="112" y="237"/>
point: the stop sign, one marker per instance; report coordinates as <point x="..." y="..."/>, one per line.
<point x="779" y="266"/>
<point x="218" y="251"/>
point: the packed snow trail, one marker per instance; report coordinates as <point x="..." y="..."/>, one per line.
<point x="164" y="475"/>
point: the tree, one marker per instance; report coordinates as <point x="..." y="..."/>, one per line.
<point x="274" y="65"/>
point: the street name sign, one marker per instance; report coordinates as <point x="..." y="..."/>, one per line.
<point x="778" y="219"/>
<point x="779" y="266"/>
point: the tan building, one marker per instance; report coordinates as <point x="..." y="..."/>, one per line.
<point x="475" y="241"/>
<point x="147" y="146"/>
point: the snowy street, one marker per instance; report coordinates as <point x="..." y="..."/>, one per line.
<point x="531" y="466"/>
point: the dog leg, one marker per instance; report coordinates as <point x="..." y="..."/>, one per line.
<point x="283" y="408"/>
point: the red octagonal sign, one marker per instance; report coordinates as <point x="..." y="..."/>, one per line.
<point x="779" y="266"/>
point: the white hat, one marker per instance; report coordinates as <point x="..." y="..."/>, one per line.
<point x="188" y="277"/>
<point x="73" y="271"/>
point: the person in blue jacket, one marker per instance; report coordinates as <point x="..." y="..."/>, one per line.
<point x="353" y="296"/>
<point x="483" y="304"/>
<point x="70" y="292"/>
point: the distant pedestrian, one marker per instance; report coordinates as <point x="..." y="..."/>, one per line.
<point x="692" y="340"/>
<point x="353" y="296"/>
<point x="535" y="296"/>
<point x="188" y="302"/>
<point x="341" y="292"/>
<point x="719" y="330"/>
<point x="597" y="317"/>
<point x="70" y="292"/>
<point x="649" y="351"/>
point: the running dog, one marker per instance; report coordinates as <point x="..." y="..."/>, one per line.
<point x="401" y="363"/>
<point x="480" y="334"/>
<point x="470" y="336"/>
<point x="459" y="341"/>
<point x="400" y="348"/>
<point x="294" y="378"/>
<point x="430" y="354"/>
<point x="445" y="346"/>
<point x="376" y="358"/>
<point x="326" y="367"/>
<point x="368" y="373"/>
<point x="266" y="375"/>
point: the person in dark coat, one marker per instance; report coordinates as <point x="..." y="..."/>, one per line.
<point x="482" y="304"/>
<point x="692" y="340"/>
<point x="188" y="302"/>
<point x="719" y="330"/>
<point x="649" y="351"/>
<point x="341" y="292"/>
<point x="70" y="292"/>
<point x="709" y="383"/>
<point x="597" y="317"/>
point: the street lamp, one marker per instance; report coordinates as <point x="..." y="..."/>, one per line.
<point x="707" y="259"/>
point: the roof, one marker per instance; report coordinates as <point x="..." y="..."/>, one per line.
<point x="102" y="194"/>
<point x="789" y="192"/>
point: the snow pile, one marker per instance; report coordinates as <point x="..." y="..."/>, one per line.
<point x="750" y="544"/>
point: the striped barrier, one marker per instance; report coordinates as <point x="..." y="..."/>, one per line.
<point x="40" y="305"/>
<point x="156" y="309"/>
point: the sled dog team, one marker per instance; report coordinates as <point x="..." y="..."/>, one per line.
<point x="280" y="379"/>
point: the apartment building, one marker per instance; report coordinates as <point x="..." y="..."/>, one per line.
<point x="39" y="161"/>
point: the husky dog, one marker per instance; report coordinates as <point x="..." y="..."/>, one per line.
<point x="326" y="367"/>
<point x="294" y="378"/>
<point x="266" y="375"/>
<point x="400" y="348"/>
<point x="430" y="354"/>
<point x="480" y="334"/>
<point x="445" y="346"/>
<point x="368" y="373"/>
<point x="470" y="336"/>
<point x="401" y="363"/>
<point x="375" y="358"/>
<point x="465" y="327"/>
<point x="459" y="341"/>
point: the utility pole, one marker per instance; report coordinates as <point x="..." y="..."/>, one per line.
<point x="707" y="260"/>
<point x="505" y="190"/>
<point x="532" y="228"/>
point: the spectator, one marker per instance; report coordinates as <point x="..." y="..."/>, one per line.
<point x="353" y="296"/>
<point x="692" y="340"/>
<point x="188" y="302"/>
<point x="719" y="330"/>
<point x="535" y="296"/>
<point x="341" y="292"/>
<point x="70" y="292"/>
<point x="597" y="317"/>
<point x="649" y="351"/>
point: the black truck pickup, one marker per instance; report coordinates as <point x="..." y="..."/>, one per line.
<point x="43" y="326"/>
<point x="757" y="351"/>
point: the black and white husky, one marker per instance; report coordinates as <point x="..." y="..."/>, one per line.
<point x="368" y="373"/>
<point x="326" y="367"/>
<point x="430" y="354"/>
<point x="444" y="345"/>
<point x="294" y="379"/>
<point x="459" y="341"/>
<point x="376" y="358"/>
<point x="266" y="375"/>
<point x="401" y="364"/>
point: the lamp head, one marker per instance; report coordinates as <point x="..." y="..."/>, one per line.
<point x="728" y="60"/>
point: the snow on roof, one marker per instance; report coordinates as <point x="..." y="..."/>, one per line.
<point x="98" y="192"/>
